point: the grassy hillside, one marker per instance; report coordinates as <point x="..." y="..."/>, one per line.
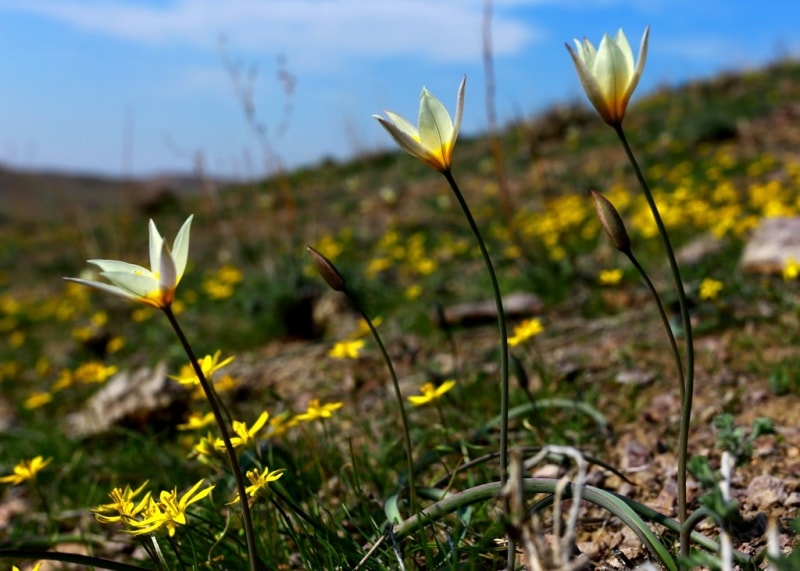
<point x="720" y="156"/>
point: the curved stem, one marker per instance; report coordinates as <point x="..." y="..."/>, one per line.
<point x="255" y="562"/>
<point x="501" y="322"/>
<point x="664" y="320"/>
<point x="688" y="389"/>
<point x="412" y="494"/>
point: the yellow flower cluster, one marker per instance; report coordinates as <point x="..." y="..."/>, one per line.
<point x="220" y="285"/>
<point x="148" y="515"/>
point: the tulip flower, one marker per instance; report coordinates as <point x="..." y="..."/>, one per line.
<point x="154" y="287"/>
<point x="433" y="141"/>
<point x="608" y="74"/>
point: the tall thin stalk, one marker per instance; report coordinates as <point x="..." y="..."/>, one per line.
<point x="501" y="323"/>
<point x="255" y="562"/>
<point x="688" y="381"/>
<point x="412" y="492"/>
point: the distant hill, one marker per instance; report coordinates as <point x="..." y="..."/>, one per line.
<point x="30" y="195"/>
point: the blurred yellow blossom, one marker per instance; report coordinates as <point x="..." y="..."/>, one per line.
<point x="197" y="420"/>
<point x="431" y="393"/>
<point x="710" y="288"/>
<point x="25" y="470"/>
<point x="259" y="481"/>
<point x="208" y="364"/>
<point x="791" y="270"/>
<point x="610" y="277"/>
<point x="37" y="400"/>
<point x="525" y="330"/>
<point x="346" y="349"/>
<point x="242" y="435"/>
<point x="314" y="410"/>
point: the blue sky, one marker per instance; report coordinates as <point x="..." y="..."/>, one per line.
<point x="138" y="86"/>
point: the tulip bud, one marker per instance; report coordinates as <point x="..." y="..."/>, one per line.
<point x="612" y="223"/>
<point x="327" y="270"/>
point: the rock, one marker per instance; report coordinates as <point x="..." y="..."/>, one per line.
<point x="142" y="397"/>
<point x="515" y="305"/>
<point x="773" y="242"/>
<point x="698" y="249"/>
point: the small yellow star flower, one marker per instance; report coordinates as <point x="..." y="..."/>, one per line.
<point x="259" y="481"/>
<point x="315" y="410"/>
<point x="243" y="435"/>
<point x="346" y="349"/>
<point x="610" y="277"/>
<point x="25" y="470"/>
<point x="710" y="288"/>
<point x="154" y="287"/>
<point x="209" y="365"/>
<point x="38" y="399"/>
<point x="169" y="511"/>
<point x="93" y="372"/>
<point x="525" y="330"/>
<point x="608" y="73"/>
<point x="197" y="420"/>
<point x="791" y="270"/>
<point x="122" y="507"/>
<point x="431" y="393"/>
<point x="34" y="568"/>
<point x="433" y="141"/>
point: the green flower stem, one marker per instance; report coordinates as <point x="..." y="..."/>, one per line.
<point x="412" y="493"/>
<point x="688" y="385"/>
<point x="664" y="319"/>
<point x="501" y="322"/>
<point x="85" y="561"/>
<point x="255" y="562"/>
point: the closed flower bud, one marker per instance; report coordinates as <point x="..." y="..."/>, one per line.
<point x="327" y="270"/>
<point x="612" y="223"/>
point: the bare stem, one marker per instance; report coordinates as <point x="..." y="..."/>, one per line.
<point x="688" y="384"/>
<point x="412" y="493"/>
<point x="501" y="322"/>
<point x="255" y="562"/>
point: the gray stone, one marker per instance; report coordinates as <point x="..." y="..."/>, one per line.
<point x="772" y="244"/>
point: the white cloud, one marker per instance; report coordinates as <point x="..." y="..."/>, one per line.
<point x="314" y="32"/>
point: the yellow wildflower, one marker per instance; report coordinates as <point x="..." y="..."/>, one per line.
<point x="169" y="511"/>
<point x="431" y="393"/>
<point x="242" y="434"/>
<point x="197" y="420"/>
<point x="259" y="481"/>
<point x="315" y="410"/>
<point x="346" y="349"/>
<point x="791" y="270"/>
<point x="525" y="330"/>
<point x="710" y="288"/>
<point x="208" y="364"/>
<point x="25" y="470"/>
<point x="610" y="277"/>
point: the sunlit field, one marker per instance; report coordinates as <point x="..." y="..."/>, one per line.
<point x="374" y="414"/>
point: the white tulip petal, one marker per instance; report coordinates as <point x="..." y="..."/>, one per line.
<point x="435" y="125"/>
<point x="155" y="246"/>
<point x="137" y="285"/>
<point x="167" y="273"/>
<point x="180" y="248"/>
<point x="459" y="112"/>
<point x="104" y="287"/>
<point x="117" y="266"/>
